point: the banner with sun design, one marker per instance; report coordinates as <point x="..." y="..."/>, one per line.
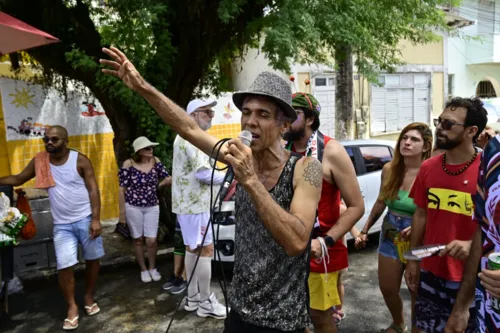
<point x="29" y="109"/>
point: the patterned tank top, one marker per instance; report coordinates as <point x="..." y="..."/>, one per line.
<point x="269" y="288"/>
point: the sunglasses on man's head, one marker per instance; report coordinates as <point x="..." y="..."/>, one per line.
<point x="53" y="139"/>
<point x="446" y="124"/>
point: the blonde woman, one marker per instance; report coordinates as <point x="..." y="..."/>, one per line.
<point x="413" y="147"/>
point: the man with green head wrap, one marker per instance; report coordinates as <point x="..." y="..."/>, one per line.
<point x="328" y="252"/>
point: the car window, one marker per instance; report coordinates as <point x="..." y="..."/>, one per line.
<point x="350" y="152"/>
<point x="375" y="157"/>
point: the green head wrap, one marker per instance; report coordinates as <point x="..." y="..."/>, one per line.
<point x="306" y="101"/>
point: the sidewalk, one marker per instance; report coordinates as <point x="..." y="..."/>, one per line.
<point x="118" y="253"/>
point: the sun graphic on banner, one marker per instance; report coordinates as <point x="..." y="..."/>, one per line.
<point x="22" y="97"/>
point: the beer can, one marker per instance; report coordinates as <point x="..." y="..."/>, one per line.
<point x="494" y="261"/>
<point x="493" y="265"/>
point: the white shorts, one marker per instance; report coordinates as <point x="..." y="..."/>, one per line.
<point x="193" y="228"/>
<point x="142" y="221"/>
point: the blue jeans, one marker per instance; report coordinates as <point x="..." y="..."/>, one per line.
<point x="396" y="223"/>
<point x="66" y="239"/>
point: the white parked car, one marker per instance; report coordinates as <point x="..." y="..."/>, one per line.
<point x="368" y="158"/>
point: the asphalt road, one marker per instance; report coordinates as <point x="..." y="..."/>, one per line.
<point x="130" y="306"/>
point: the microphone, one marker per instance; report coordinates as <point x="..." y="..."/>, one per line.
<point x="246" y="138"/>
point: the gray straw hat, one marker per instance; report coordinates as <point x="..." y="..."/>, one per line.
<point x="270" y="85"/>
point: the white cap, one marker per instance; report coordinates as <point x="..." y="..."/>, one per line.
<point x="199" y="103"/>
<point x="143" y="142"/>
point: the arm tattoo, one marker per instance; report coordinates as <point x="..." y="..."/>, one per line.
<point x="313" y="173"/>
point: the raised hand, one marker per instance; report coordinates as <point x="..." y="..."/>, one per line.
<point x="122" y="68"/>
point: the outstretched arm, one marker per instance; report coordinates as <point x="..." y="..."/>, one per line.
<point x="21" y="178"/>
<point x="172" y="114"/>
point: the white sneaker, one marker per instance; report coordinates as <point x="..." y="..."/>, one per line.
<point x="155" y="275"/>
<point x="211" y="308"/>
<point x="192" y="303"/>
<point x="145" y="277"/>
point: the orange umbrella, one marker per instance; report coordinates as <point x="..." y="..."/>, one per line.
<point x="16" y="35"/>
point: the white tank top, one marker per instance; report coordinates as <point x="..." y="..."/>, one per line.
<point x="69" y="199"/>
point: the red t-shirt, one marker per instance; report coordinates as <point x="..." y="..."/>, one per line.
<point x="449" y="204"/>
<point x="328" y="215"/>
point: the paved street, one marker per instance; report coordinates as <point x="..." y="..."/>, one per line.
<point x="130" y="306"/>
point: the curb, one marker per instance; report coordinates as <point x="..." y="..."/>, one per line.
<point x="35" y="277"/>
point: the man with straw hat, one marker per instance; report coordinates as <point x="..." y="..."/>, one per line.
<point x="328" y="252"/>
<point x="276" y="200"/>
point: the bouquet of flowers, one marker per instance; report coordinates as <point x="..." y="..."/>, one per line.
<point x="11" y="222"/>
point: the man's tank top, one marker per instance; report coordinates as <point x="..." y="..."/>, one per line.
<point x="69" y="199"/>
<point x="269" y="288"/>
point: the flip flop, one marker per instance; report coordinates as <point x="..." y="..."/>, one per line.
<point x="71" y="326"/>
<point x="91" y="312"/>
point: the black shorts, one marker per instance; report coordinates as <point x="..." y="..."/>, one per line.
<point x="234" y="324"/>
<point x="179" y="247"/>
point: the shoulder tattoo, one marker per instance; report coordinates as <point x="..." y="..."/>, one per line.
<point x="313" y="173"/>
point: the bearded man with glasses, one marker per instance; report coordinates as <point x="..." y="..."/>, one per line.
<point x="75" y="204"/>
<point x="443" y="192"/>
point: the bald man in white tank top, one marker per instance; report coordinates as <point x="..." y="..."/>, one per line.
<point x="75" y="206"/>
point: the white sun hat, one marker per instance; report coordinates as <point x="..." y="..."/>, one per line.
<point x="143" y="142"/>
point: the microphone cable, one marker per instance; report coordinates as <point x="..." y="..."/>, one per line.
<point x="217" y="148"/>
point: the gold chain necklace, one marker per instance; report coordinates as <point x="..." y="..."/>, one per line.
<point x="456" y="173"/>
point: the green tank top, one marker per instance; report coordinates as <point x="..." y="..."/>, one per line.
<point x="403" y="204"/>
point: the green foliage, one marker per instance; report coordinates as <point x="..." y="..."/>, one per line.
<point x="310" y="31"/>
<point x="186" y="49"/>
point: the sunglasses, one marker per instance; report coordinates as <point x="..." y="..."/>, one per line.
<point x="53" y="139"/>
<point x="446" y="124"/>
<point x="148" y="148"/>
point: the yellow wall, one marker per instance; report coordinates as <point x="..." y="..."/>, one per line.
<point x="302" y="77"/>
<point x="97" y="147"/>
<point x="15" y="155"/>
<point x="4" y="158"/>
<point x="225" y="130"/>
<point x="422" y="54"/>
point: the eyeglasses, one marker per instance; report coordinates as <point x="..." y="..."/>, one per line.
<point x="446" y="124"/>
<point x="209" y="113"/>
<point x="53" y="139"/>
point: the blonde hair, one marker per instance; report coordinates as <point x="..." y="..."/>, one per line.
<point x="394" y="179"/>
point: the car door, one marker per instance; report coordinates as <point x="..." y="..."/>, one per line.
<point x="358" y="163"/>
<point x="373" y="157"/>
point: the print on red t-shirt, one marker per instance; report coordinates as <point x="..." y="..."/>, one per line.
<point x="449" y="205"/>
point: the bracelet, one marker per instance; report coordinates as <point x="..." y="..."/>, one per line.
<point x="363" y="232"/>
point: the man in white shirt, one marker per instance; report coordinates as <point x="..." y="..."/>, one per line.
<point x="191" y="191"/>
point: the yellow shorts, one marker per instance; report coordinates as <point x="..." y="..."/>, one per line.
<point x="323" y="292"/>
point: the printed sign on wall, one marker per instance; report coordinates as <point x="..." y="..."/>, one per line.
<point x="225" y="110"/>
<point x="29" y="109"/>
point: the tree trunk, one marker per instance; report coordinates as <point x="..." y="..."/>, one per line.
<point x="343" y="93"/>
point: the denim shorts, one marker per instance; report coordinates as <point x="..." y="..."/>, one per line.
<point x="68" y="236"/>
<point x="387" y="248"/>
